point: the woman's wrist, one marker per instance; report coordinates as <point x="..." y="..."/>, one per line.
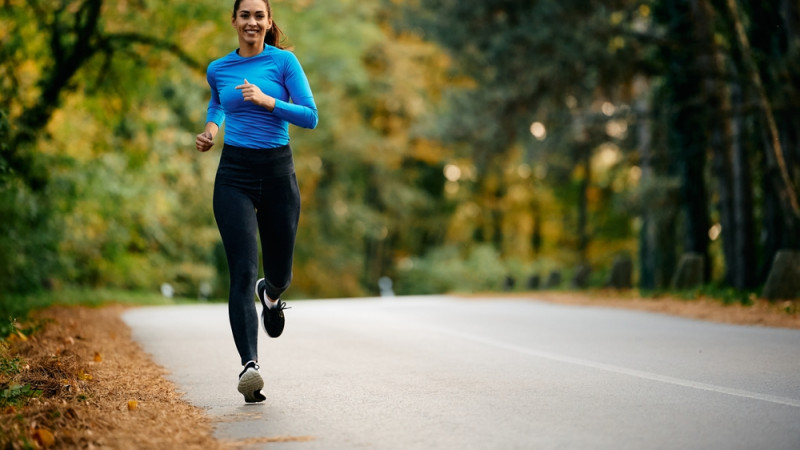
<point x="269" y="103"/>
<point x="211" y="129"/>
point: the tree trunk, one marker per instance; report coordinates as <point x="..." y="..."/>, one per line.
<point x="536" y="234"/>
<point x="723" y="174"/>
<point x="585" y="153"/>
<point x="657" y="240"/>
<point x="744" y="222"/>
<point x="687" y="121"/>
<point x="644" y="133"/>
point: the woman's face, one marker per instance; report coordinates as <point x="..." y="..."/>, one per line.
<point x="252" y="21"/>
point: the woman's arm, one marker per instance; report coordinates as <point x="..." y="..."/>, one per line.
<point x="214" y="117"/>
<point x="302" y="111"/>
<point x="205" y="140"/>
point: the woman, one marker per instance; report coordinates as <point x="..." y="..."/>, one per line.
<point x="256" y="188"/>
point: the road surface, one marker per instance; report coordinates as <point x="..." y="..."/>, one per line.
<point x="441" y="372"/>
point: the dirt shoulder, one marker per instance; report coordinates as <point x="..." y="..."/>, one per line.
<point x="99" y="389"/>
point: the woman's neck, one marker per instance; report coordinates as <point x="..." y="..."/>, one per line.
<point x="246" y="50"/>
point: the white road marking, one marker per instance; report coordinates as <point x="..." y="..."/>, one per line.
<point x="621" y="370"/>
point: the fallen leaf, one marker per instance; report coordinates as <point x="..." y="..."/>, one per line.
<point x="98" y="357"/>
<point x="133" y="405"/>
<point x="44" y="437"/>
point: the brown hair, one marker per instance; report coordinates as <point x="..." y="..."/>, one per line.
<point x="275" y="37"/>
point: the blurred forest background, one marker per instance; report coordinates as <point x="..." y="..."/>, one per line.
<point x="460" y="142"/>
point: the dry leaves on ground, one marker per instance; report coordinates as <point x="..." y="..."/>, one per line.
<point x="99" y="389"/>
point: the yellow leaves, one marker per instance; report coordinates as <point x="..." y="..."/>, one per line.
<point x="133" y="405"/>
<point x="430" y="151"/>
<point x="21" y="336"/>
<point x="44" y="437"/>
<point x="17" y="334"/>
<point x="84" y="376"/>
<point x="616" y="43"/>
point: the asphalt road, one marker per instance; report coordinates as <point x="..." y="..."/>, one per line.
<point x="447" y="373"/>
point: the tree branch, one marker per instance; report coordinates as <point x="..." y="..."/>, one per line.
<point x="123" y="39"/>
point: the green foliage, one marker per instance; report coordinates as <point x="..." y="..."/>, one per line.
<point x="29" y="238"/>
<point x="12" y="393"/>
<point x="16" y="394"/>
<point x="448" y="269"/>
<point x="15" y="318"/>
<point x="132" y="200"/>
<point x="725" y="294"/>
<point x="100" y="185"/>
<point x="9" y="367"/>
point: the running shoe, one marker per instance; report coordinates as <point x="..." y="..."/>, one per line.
<point x="250" y="383"/>
<point x="271" y="317"/>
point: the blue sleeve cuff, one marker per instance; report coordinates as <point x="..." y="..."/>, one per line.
<point x="302" y="116"/>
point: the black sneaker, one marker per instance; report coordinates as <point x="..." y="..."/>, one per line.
<point x="250" y="383"/>
<point x="271" y="318"/>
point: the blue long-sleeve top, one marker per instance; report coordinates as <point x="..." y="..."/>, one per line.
<point x="277" y="73"/>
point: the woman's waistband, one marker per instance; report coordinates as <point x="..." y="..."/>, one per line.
<point x="270" y="161"/>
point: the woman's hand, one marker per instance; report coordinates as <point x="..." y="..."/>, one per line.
<point x="251" y="93"/>
<point x="204" y="141"/>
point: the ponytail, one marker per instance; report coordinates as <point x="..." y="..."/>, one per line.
<point x="276" y="38"/>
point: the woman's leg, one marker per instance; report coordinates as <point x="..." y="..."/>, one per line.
<point x="278" y="215"/>
<point x="236" y="219"/>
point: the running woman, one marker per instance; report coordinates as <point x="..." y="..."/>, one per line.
<point x="257" y="90"/>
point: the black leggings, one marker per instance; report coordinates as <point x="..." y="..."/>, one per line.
<point x="255" y="190"/>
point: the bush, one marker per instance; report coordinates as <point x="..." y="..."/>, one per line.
<point x="448" y="270"/>
<point x="29" y="239"/>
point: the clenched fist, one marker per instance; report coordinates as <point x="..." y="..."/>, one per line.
<point x="204" y="141"/>
<point x="252" y="93"/>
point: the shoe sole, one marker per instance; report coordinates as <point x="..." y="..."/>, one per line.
<point x="275" y="333"/>
<point x="250" y="385"/>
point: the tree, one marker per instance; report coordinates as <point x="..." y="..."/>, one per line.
<point x="524" y="69"/>
<point x="54" y="52"/>
<point x="74" y="34"/>
<point x="767" y="57"/>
